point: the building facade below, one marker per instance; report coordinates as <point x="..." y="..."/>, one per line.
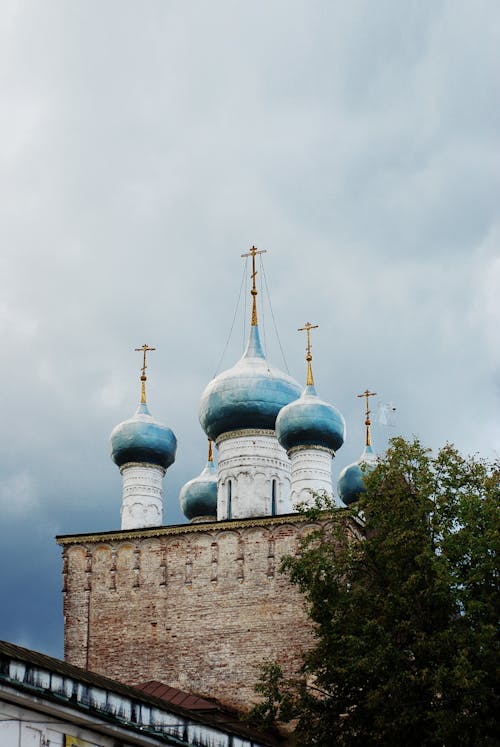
<point x="198" y="606"/>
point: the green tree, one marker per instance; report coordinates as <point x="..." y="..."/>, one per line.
<point x="406" y="619"/>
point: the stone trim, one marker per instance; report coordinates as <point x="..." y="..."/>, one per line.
<point x="295" y="449"/>
<point x="248" y="432"/>
<point x="133" y="534"/>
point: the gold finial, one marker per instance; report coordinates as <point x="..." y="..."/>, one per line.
<point x="144" y="349"/>
<point x="307" y="328"/>
<point x="366" y="394"/>
<point x="252" y="253"/>
<point x="210" y="452"/>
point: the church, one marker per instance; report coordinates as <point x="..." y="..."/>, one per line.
<point x="200" y="606"/>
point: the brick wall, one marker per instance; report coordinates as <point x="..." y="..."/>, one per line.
<point x="197" y="607"/>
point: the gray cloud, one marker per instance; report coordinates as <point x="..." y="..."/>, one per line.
<point x="142" y="149"/>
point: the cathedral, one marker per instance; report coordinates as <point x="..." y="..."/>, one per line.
<point x="200" y="606"/>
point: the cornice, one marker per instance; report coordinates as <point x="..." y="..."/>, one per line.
<point x="178" y="529"/>
<point x="245" y="433"/>
<point x="296" y="449"/>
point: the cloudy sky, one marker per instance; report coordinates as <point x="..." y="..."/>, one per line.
<point x="145" y="146"/>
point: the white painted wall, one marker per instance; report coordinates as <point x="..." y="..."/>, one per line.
<point x="22" y="727"/>
<point x="142" y="490"/>
<point x="249" y="462"/>
<point x="49" y="709"/>
<point x="311" y="473"/>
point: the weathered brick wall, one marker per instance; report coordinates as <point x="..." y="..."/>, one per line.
<point x="196" y="607"/>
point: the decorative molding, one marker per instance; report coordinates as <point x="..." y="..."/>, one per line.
<point x="142" y="490"/>
<point x="114" y="555"/>
<point x="217" y="526"/>
<point x="203" y="519"/>
<point x="240" y="560"/>
<point x="295" y="449"/>
<point x="137" y="566"/>
<point x="245" y="432"/>
<point x="144" y="465"/>
<point x="163" y="565"/>
<point x="270" y="557"/>
<point x="215" y="562"/>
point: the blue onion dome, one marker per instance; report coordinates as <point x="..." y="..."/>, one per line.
<point x="351" y="480"/>
<point x="249" y="395"/>
<point x="198" y="497"/>
<point x="309" y="421"/>
<point x="142" y="439"/>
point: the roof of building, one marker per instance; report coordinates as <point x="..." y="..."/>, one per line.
<point x="154" y="709"/>
<point x="178" y="697"/>
<point x="198" y="704"/>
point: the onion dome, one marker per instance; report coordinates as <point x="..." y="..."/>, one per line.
<point x="309" y="421"/>
<point x="141" y="438"/>
<point x="251" y="394"/>
<point x="198" y="497"/>
<point x="351" y="480"/>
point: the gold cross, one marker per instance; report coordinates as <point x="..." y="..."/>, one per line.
<point x="307" y="328"/>
<point x="366" y="394"/>
<point x="253" y="253"/>
<point x="144" y="349"/>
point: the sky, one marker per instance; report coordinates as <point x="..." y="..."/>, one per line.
<point x="144" y="147"/>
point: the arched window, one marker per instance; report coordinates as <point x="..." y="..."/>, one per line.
<point x="229" y="499"/>
<point x="274" y="496"/>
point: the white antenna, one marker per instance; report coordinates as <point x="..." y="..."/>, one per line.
<point x="386" y="414"/>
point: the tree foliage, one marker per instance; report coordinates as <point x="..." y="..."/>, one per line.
<point x="406" y="620"/>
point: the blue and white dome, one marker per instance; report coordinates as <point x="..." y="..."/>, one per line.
<point x="351" y="480"/>
<point x="248" y="396"/>
<point x="309" y="421"/>
<point x="198" y="497"/>
<point x="142" y="439"/>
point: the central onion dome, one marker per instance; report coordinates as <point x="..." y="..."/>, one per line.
<point x="309" y="421"/>
<point x="143" y="439"/>
<point x="198" y="497"/>
<point x="249" y="395"/>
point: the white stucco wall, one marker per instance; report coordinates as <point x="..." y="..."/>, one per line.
<point x="22" y="727"/>
<point x="142" y="491"/>
<point x="311" y="473"/>
<point x="250" y="462"/>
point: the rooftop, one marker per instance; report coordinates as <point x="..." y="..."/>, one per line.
<point x="153" y="709"/>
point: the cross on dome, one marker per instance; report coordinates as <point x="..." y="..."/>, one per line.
<point x="307" y="328"/>
<point x="144" y="349"/>
<point x="366" y="394"/>
<point x="253" y="253"/>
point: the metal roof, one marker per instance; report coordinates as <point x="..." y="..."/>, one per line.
<point x="154" y="710"/>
